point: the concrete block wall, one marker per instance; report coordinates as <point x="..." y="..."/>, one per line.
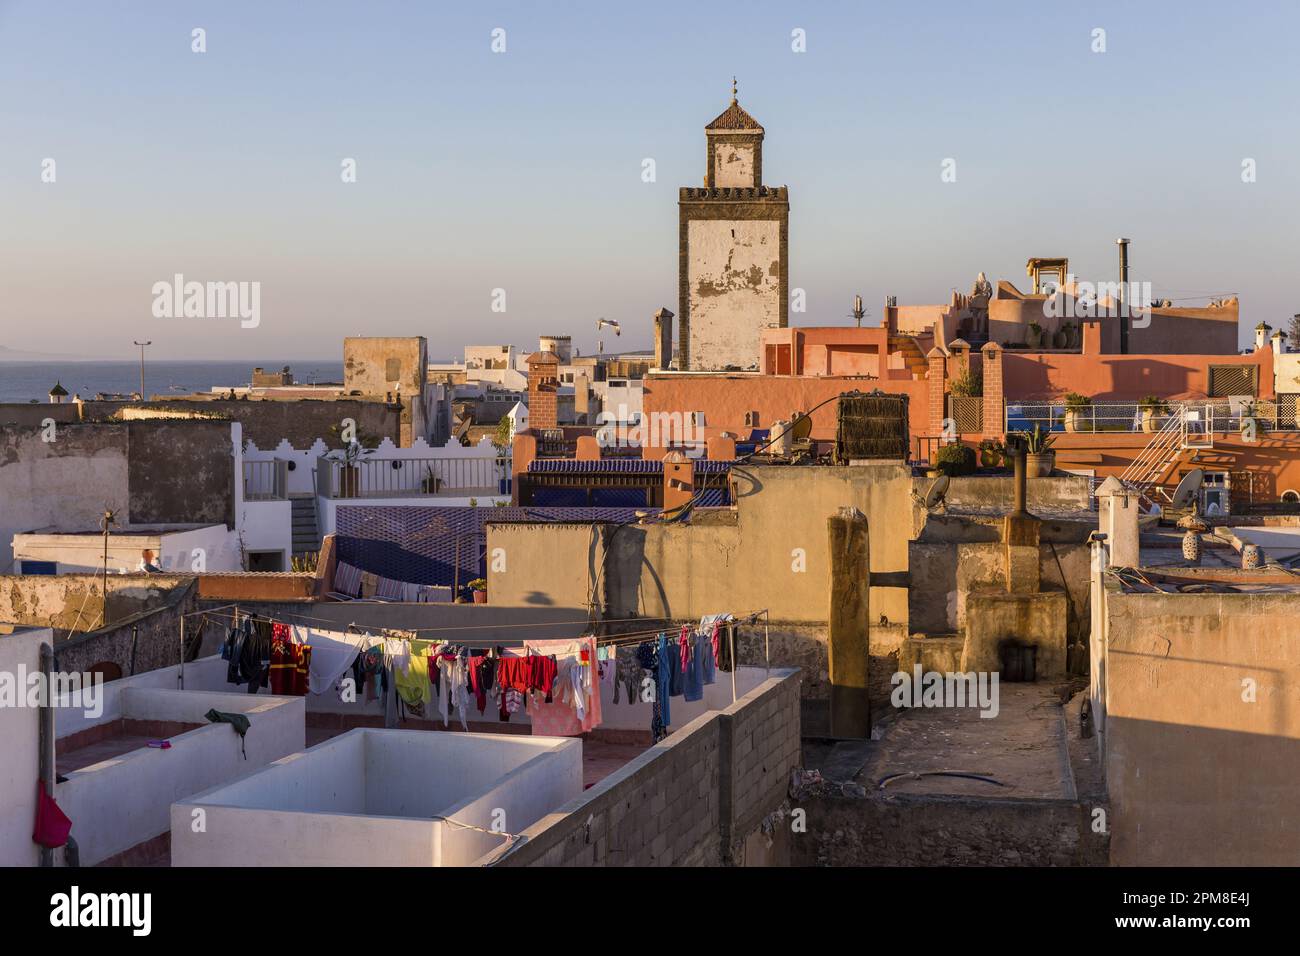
<point x="140" y="642"/>
<point x="688" y="801"/>
<point x="760" y="751"/>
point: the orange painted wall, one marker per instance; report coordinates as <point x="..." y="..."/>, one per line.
<point x="1273" y="461"/>
<point x="834" y="350"/>
<point x="725" y="399"/>
<point x="1044" y="375"/>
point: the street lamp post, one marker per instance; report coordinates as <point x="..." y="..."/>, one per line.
<point x="142" y="345"/>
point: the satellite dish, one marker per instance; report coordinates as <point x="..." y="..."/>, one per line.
<point x="938" y="488"/>
<point x="933" y="495"/>
<point x="1186" y="492"/>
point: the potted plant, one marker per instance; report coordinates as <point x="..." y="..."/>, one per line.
<point x="1249" y="420"/>
<point x="1152" y="408"/>
<point x="356" y="444"/>
<point x="1074" y="410"/>
<point x="1069" y="329"/>
<point x="350" y="474"/>
<point x="1034" y="336"/>
<point x="478" y="588"/>
<point x="992" y="453"/>
<point x="955" y="460"/>
<point x="430" y="483"/>
<point x="1040" y="459"/>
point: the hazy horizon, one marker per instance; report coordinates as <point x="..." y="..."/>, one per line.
<point x="522" y="170"/>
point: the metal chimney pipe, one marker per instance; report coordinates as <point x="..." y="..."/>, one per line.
<point x="1123" y="292"/>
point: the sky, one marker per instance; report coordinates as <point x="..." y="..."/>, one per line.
<point x="522" y="170"/>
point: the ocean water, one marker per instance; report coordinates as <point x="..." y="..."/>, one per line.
<point x="24" y="381"/>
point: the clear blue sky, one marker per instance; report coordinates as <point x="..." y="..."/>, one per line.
<point x="522" y="170"/>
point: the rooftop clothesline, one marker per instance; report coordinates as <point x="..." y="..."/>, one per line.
<point x="396" y="633"/>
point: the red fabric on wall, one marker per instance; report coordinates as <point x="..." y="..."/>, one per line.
<point x="52" y="824"/>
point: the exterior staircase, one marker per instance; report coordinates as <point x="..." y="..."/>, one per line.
<point x="1162" y="453"/>
<point x="906" y="346"/>
<point x="306" y="535"/>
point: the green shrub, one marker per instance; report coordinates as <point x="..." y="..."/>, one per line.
<point x="970" y="383"/>
<point x="955" y="460"/>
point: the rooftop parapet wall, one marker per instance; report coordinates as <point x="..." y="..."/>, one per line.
<point x="770" y="194"/>
<point x="379" y="797"/>
<point x="726" y="399"/>
<point x="771" y="553"/>
<point x="1201" y="733"/>
<point x="1046" y="375"/>
<point x="75" y="601"/>
<point x="268" y="421"/>
<point x="691" y="800"/>
<point x="125" y="801"/>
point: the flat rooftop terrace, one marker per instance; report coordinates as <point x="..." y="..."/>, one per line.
<point x="1207" y="579"/>
<point x="1024" y="751"/>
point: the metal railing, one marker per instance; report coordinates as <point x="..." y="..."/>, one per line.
<point x="1159" y="455"/>
<point x="413" y="477"/>
<point x="1205" y="417"/>
<point x="266" y="480"/>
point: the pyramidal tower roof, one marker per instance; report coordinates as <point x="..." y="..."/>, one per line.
<point x="735" y="118"/>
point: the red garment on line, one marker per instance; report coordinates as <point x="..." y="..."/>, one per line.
<point x="290" y="663"/>
<point x="52" y="824"/>
<point x="476" y="682"/>
<point x="534" y="672"/>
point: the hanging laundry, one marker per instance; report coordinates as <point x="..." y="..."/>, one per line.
<point x="629" y="675"/>
<point x="52" y="824"/>
<point x="249" y="654"/>
<point x="347" y="579"/>
<point x="412" y="683"/>
<point x="388" y="589"/>
<point x="650" y="658"/>
<point x="672" y="652"/>
<point x="482" y="671"/>
<point x="290" y="662"/>
<point x="332" y="653"/>
<point x="453" y="691"/>
<point x="716" y="626"/>
<point x="664" y="679"/>
<point x="692" y="669"/>
<point x="574" y="703"/>
<point x="708" y="662"/>
<point x="369" y="669"/>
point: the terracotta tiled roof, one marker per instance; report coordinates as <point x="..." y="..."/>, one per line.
<point x="735" y="118"/>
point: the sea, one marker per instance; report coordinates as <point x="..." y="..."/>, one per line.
<point x="25" y="381"/>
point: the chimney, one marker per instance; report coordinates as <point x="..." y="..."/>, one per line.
<point x="1261" y="336"/>
<point x="1123" y="292"/>
<point x="543" y="390"/>
<point x="663" y="338"/>
<point x="1278" y="340"/>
